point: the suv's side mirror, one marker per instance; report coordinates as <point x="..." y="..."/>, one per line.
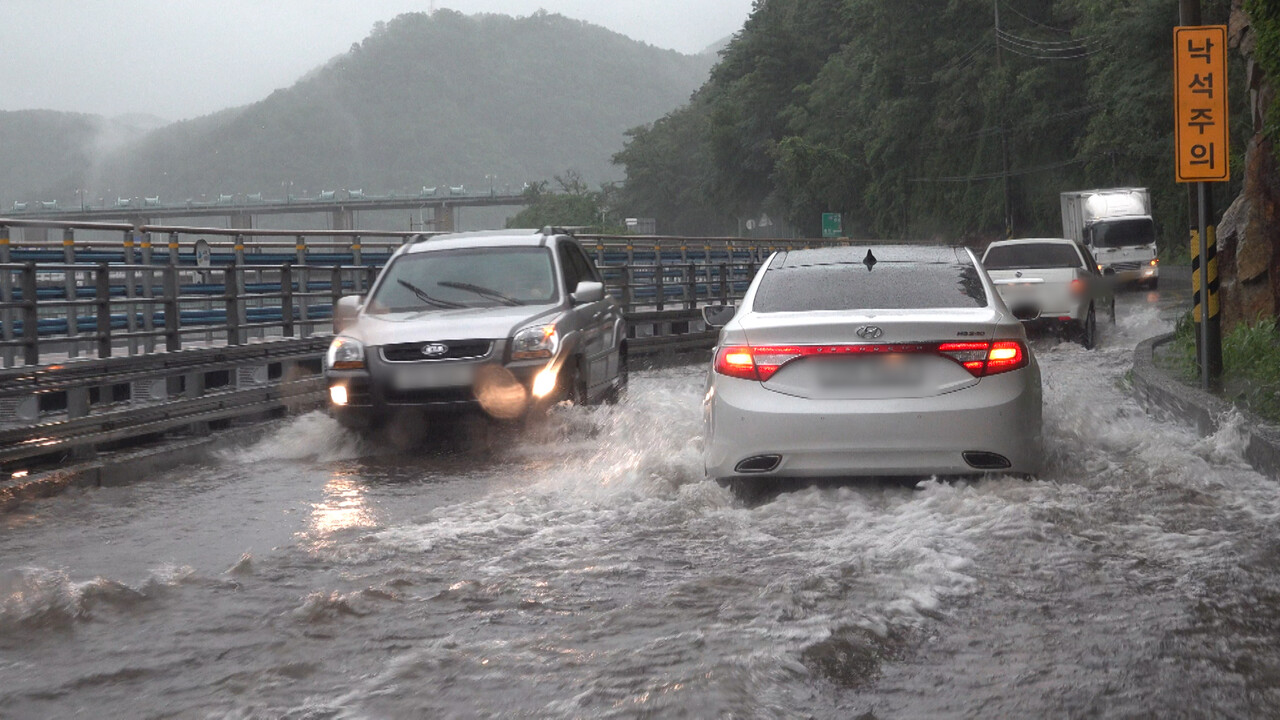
<point x="346" y="310"/>
<point x="588" y="291"/>
<point x="717" y="316"/>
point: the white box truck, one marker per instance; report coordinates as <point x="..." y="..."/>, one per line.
<point x="1116" y="225"/>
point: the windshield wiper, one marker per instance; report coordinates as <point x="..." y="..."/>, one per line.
<point x="482" y="291"/>
<point x="424" y="297"/>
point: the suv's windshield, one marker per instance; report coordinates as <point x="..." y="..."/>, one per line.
<point x="488" y="277"/>
<point x="1123" y="233"/>
<point x="1031" y="255"/>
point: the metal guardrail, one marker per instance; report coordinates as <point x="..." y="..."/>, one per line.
<point x="107" y="340"/>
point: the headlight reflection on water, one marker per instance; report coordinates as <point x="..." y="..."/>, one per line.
<point x="344" y="507"/>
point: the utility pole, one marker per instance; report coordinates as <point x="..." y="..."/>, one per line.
<point x="1204" y="250"/>
<point x="1004" y="132"/>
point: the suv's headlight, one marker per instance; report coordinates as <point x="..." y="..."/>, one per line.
<point x="345" y="354"/>
<point x="535" y="341"/>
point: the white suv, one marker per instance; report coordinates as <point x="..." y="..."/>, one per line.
<point x="503" y="322"/>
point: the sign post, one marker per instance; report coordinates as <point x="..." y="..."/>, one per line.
<point x="832" y="226"/>
<point x="1203" y="156"/>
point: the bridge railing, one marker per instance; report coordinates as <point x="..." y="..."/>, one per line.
<point x="160" y="328"/>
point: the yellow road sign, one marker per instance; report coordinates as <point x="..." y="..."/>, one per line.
<point x="1200" y="103"/>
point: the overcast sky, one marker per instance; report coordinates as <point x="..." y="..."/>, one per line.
<point x="178" y="59"/>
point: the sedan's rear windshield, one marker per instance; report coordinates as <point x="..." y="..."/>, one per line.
<point x="887" y="286"/>
<point x="443" y="280"/>
<point x="1032" y="255"/>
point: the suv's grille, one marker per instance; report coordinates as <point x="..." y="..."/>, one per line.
<point x="444" y="396"/>
<point x="456" y="350"/>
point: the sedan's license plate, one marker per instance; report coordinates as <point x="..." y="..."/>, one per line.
<point x="897" y="371"/>
<point x="424" y="376"/>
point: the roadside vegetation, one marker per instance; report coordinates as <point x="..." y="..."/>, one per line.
<point x="898" y="115"/>
<point x="1250" y="364"/>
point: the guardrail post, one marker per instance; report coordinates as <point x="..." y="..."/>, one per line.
<point x="724" y="283"/>
<point x="304" y="306"/>
<point x="6" y="292"/>
<point x="30" y="317"/>
<point x="370" y="275"/>
<point x="174" y="258"/>
<point x="659" y="280"/>
<point x="239" y="249"/>
<point x="691" y="293"/>
<point x="172" y="316"/>
<point x="130" y="292"/>
<point x="69" y="291"/>
<point x="234" y="306"/>
<point x="355" y="257"/>
<point x="301" y="248"/>
<point x="335" y="289"/>
<point x="148" y="292"/>
<point x="128" y="247"/>
<point x="628" y="302"/>
<point x="286" y="299"/>
<point x="102" y="299"/>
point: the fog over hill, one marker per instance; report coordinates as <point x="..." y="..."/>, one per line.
<point x="424" y="100"/>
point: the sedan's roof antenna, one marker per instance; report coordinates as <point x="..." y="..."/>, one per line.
<point x="869" y="260"/>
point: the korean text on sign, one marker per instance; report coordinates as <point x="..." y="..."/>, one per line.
<point x="1200" y="102"/>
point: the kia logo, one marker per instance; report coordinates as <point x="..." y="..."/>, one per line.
<point x="434" y="350"/>
<point x="870" y="332"/>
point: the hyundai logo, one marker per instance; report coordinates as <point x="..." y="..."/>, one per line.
<point x="870" y="332"/>
<point x="434" y="350"/>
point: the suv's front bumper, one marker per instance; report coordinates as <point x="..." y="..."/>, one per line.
<point x="372" y="398"/>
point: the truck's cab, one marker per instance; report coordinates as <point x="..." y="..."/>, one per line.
<point x="1117" y="227"/>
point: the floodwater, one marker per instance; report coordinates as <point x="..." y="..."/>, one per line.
<point x="586" y="569"/>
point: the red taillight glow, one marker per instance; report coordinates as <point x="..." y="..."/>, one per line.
<point x="761" y="363"/>
<point x="1077" y="286"/>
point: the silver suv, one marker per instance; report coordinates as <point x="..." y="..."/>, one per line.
<point x="505" y="322"/>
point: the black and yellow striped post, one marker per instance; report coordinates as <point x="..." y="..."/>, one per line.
<point x="1206" y="304"/>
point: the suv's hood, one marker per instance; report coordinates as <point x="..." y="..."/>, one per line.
<point x="375" y="329"/>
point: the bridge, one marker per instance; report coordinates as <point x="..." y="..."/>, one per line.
<point x="241" y="210"/>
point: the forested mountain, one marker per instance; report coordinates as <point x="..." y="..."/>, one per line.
<point x="897" y="114"/>
<point x="425" y="100"/>
<point x="40" y="148"/>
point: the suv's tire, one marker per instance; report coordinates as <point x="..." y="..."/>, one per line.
<point x="574" y="388"/>
<point x="619" y="390"/>
<point x="1089" y="330"/>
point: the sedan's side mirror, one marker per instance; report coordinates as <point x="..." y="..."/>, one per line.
<point x="588" y="291"/>
<point x="345" y="312"/>
<point x="717" y="316"/>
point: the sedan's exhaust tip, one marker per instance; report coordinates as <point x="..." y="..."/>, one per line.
<point x="986" y="460"/>
<point x="758" y="464"/>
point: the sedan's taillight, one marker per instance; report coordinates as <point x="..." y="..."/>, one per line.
<point x="987" y="358"/>
<point x="762" y="362"/>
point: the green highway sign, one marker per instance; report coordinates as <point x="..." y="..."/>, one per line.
<point x="831" y="225"/>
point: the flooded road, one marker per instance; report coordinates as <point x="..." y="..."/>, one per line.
<point x="588" y="570"/>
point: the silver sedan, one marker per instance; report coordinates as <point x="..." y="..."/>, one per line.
<point x="875" y="361"/>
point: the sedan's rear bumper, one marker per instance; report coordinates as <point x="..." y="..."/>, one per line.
<point x="829" y="438"/>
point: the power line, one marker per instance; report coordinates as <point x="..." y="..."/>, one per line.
<point x="1086" y="41"/>
<point x="1037" y="56"/>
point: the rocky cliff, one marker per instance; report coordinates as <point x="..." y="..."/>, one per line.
<point x="1249" y="232"/>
